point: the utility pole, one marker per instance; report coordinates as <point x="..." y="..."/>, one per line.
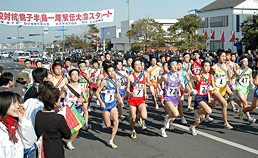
<point x="128" y="1"/>
<point x="43" y="38"/>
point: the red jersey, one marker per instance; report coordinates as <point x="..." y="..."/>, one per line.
<point x="138" y="89"/>
<point x="202" y="87"/>
<point x="197" y="67"/>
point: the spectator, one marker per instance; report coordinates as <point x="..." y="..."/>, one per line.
<point x="250" y="57"/>
<point x="6" y="81"/>
<point x="16" y="132"/>
<point x="239" y="47"/>
<point x="52" y="126"/>
<point x="21" y="84"/>
<point x="208" y="58"/>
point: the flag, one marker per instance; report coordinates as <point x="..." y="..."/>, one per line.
<point x="222" y="36"/>
<point x="73" y="119"/>
<point x="212" y="34"/>
<point x="232" y="34"/>
<point x="242" y="34"/>
<point x="205" y="33"/>
<point x="40" y="147"/>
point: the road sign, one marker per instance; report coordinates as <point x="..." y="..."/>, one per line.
<point x="38" y="34"/>
<point x="15" y="38"/>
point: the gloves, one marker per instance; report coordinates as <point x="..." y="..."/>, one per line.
<point x="161" y="92"/>
<point x="193" y="93"/>
<point x="252" y="86"/>
<point x="182" y="86"/>
<point x="233" y="87"/>
<point x="211" y="88"/>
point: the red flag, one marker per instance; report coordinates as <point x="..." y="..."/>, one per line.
<point x="222" y="36"/>
<point x="40" y="147"/>
<point x="212" y="34"/>
<point x="232" y="33"/>
<point x="205" y="33"/>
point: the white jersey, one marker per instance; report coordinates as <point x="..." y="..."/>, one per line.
<point x="230" y="64"/>
<point x="121" y="80"/>
<point x="70" y="98"/>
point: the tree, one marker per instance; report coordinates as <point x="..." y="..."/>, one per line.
<point x="184" y="33"/>
<point x="250" y="31"/>
<point x="148" y="32"/>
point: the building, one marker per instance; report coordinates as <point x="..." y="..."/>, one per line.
<point x="122" y="42"/>
<point x="224" y="18"/>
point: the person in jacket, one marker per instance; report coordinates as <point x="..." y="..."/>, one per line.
<point x="16" y="132"/>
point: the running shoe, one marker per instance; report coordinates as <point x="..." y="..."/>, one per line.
<point x="190" y="109"/>
<point x="235" y="110"/>
<point x="193" y="131"/>
<point x="171" y="127"/>
<point x="139" y="120"/>
<point x="231" y="97"/>
<point x="251" y="120"/>
<point x="103" y="125"/>
<point x="86" y="127"/>
<point x="112" y="145"/>
<point x="163" y="133"/>
<point x="196" y="117"/>
<point x="227" y="126"/>
<point x="89" y="109"/>
<point x="183" y="121"/>
<point x="144" y="126"/>
<point x="70" y="146"/>
<point x="240" y="115"/>
<point x="133" y="134"/>
<point x="98" y="104"/>
<point x="157" y="107"/>
<point x="166" y="122"/>
<point x="208" y="119"/>
<point x="122" y="118"/>
<point x="146" y="105"/>
<point x="94" y="96"/>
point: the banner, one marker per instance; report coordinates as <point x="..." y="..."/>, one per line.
<point x="222" y="36"/>
<point x="212" y="34"/>
<point x="56" y="19"/>
<point x="204" y="31"/>
<point x="232" y="34"/>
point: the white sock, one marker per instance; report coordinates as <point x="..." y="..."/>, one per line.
<point x="182" y="117"/>
<point x="207" y="116"/>
<point x="250" y="118"/>
<point x="189" y="107"/>
<point x="110" y="141"/>
<point x="242" y="111"/>
<point x="69" y="142"/>
<point x="143" y="121"/>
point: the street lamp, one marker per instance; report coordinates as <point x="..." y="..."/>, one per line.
<point x="19" y="35"/>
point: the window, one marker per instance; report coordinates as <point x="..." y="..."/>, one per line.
<point x="237" y="23"/>
<point x="215" y="45"/>
<point x="205" y="23"/>
<point x="219" y="21"/>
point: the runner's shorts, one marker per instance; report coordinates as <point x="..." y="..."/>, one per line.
<point x="154" y="84"/>
<point x="173" y="100"/>
<point x="136" y="101"/>
<point x="122" y="92"/>
<point x="199" y="98"/>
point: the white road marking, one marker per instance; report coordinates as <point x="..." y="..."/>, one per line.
<point x="1" y="64"/>
<point x="8" y="67"/>
<point x="16" y="65"/>
<point x="16" y="70"/>
<point x="251" y="150"/>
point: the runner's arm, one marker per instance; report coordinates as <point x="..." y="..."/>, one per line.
<point x="229" y="75"/>
<point x="212" y="82"/>
<point x="251" y="76"/>
<point x="159" y="87"/>
<point x="129" y="82"/>
<point x="100" y="87"/>
<point x="161" y="79"/>
<point x="84" y="94"/>
<point x="100" y="77"/>
<point x="147" y="78"/>
<point x="119" y="98"/>
<point x="66" y="81"/>
<point x="187" y="77"/>
<point x="64" y="89"/>
<point x="256" y="80"/>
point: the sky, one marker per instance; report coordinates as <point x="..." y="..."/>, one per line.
<point x="157" y="9"/>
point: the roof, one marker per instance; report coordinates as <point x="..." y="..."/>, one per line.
<point x="222" y="4"/>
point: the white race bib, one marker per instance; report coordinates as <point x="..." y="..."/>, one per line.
<point x="95" y="80"/>
<point x="154" y="77"/>
<point x="204" y="89"/>
<point x="172" y="91"/>
<point x="197" y="70"/>
<point x="138" y="90"/>
<point x="220" y="80"/>
<point x="109" y="96"/>
<point x="244" y="81"/>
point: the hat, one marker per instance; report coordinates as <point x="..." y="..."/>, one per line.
<point x="22" y="75"/>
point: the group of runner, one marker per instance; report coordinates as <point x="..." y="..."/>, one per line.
<point x="114" y="86"/>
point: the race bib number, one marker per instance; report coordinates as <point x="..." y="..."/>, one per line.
<point x="109" y="96"/>
<point x="66" y="75"/>
<point x="220" y="80"/>
<point x="172" y="91"/>
<point x="84" y="85"/>
<point x="138" y="90"/>
<point x="95" y="80"/>
<point x="154" y="77"/>
<point x="204" y="89"/>
<point x="244" y="81"/>
<point x="76" y="104"/>
<point x="197" y="70"/>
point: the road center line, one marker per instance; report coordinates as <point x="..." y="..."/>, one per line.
<point x="8" y="67"/>
<point x="16" y="65"/>
<point x="16" y="70"/>
<point x="251" y="150"/>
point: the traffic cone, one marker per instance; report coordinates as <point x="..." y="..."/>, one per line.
<point x="35" y="64"/>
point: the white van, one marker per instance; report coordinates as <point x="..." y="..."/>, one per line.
<point x="20" y="55"/>
<point x="4" y="54"/>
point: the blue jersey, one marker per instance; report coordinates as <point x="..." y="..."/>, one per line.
<point x="108" y="96"/>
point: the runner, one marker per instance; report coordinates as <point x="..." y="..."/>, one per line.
<point x="28" y="70"/>
<point x="244" y="75"/>
<point x="68" y="67"/>
<point x="136" y="89"/>
<point x="83" y="81"/>
<point x="128" y="68"/>
<point x="39" y="63"/>
<point x="101" y="56"/>
<point x="154" y="72"/>
<point x="94" y="73"/>
<point x="88" y="69"/>
<point x="221" y="75"/>
<point x="121" y="77"/>
<point x="171" y="94"/>
<point x="204" y="83"/>
<point x="72" y="100"/>
<point x="187" y="86"/>
<point x="109" y="89"/>
<point x="162" y="60"/>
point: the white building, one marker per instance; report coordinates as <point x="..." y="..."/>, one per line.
<point x="122" y="43"/>
<point x="227" y="16"/>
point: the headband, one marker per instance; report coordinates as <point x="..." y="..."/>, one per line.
<point x="228" y="54"/>
<point x="243" y="60"/>
<point x="130" y="59"/>
<point x="167" y="57"/>
<point x="187" y="55"/>
<point x="142" y="62"/>
<point x="174" y="62"/>
<point x="27" y="62"/>
<point x="81" y="64"/>
<point x="57" y="66"/>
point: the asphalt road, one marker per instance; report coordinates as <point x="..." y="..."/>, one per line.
<point x="212" y="139"/>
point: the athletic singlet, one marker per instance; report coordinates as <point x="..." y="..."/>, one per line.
<point x="245" y="79"/>
<point x="202" y="87"/>
<point x="162" y="85"/>
<point x="95" y="78"/>
<point x="104" y="76"/>
<point x="128" y="70"/>
<point x="83" y="82"/>
<point x="187" y="68"/>
<point x="183" y="75"/>
<point x="154" y="74"/>
<point x="121" y="80"/>
<point x="55" y="81"/>
<point x="172" y="87"/>
<point x="108" y="95"/>
<point x="220" y="80"/>
<point x="71" y="99"/>
<point x="138" y="89"/>
<point x="196" y="68"/>
<point x="30" y="76"/>
<point x="66" y="74"/>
